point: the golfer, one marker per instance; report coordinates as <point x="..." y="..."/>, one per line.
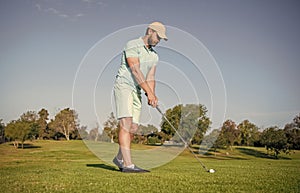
<point x="136" y="73"/>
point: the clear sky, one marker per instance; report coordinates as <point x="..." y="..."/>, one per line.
<point x="255" y="45"/>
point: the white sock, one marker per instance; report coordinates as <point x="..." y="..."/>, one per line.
<point x="130" y="166"/>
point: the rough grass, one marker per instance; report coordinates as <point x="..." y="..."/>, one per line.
<point x="61" y="166"/>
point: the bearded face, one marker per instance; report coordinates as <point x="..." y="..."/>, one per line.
<point x="153" y="39"/>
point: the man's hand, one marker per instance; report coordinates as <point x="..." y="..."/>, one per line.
<point x="152" y="99"/>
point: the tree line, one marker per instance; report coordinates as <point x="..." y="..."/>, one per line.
<point x="274" y="139"/>
<point x="191" y="121"/>
<point x="32" y="125"/>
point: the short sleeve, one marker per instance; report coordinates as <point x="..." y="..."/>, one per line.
<point x="131" y="49"/>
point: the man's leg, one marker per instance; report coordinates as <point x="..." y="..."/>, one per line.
<point x="127" y="130"/>
<point x="125" y="140"/>
<point x="119" y="155"/>
<point x="133" y="130"/>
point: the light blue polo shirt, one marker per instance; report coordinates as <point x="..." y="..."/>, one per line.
<point x="147" y="57"/>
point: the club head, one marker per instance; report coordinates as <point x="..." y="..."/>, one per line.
<point x="211" y="171"/>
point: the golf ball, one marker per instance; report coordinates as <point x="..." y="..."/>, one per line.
<point x="211" y="171"/>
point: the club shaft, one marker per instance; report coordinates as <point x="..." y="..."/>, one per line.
<point x="185" y="143"/>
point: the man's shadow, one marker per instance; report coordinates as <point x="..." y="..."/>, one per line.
<point x="103" y="166"/>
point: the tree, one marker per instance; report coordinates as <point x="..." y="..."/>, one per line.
<point x="53" y="132"/>
<point x="111" y="122"/>
<point x="228" y="135"/>
<point x="248" y="133"/>
<point x="293" y="137"/>
<point x="14" y="132"/>
<point x="65" y="122"/>
<point x="274" y="139"/>
<point x="83" y="132"/>
<point x="292" y="132"/>
<point x="296" y="121"/>
<point x="94" y="134"/>
<point x="102" y="136"/>
<point x="190" y="121"/>
<point x="111" y="128"/>
<point x="23" y="128"/>
<point x="174" y="116"/>
<point x="42" y="123"/>
<point x="211" y="139"/>
<point x="2" y="132"/>
<point x="203" y="124"/>
<point x="30" y="118"/>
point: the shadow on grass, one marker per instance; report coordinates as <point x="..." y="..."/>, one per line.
<point x="259" y="154"/>
<point x="219" y="156"/>
<point x="27" y="146"/>
<point x="103" y="166"/>
<point x="254" y="153"/>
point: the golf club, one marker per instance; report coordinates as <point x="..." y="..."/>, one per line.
<point x="185" y="143"/>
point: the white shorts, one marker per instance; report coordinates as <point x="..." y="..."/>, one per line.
<point x="128" y="102"/>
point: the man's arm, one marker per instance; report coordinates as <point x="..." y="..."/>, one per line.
<point x="151" y="78"/>
<point x="134" y="65"/>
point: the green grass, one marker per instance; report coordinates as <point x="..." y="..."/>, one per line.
<point x="61" y="166"/>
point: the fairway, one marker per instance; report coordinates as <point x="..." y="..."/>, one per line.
<point x="69" y="166"/>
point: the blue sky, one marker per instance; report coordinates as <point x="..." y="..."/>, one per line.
<point x="255" y="45"/>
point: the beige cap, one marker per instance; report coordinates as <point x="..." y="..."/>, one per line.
<point x="160" y="29"/>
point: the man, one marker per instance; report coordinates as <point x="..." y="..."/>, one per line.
<point x="136" y="73"/>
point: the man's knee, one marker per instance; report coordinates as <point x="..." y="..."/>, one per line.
<point x="126" y="123"/>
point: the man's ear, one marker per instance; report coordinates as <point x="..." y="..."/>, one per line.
<point x="150" y="31"/>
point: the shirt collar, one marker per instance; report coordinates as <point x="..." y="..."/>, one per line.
<point x="143" y="43"/>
